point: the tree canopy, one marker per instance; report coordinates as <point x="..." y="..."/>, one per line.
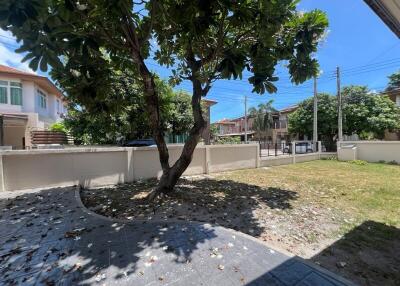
<point x="394" y="82"/>
<point x="121" y="114"/>
<point x="364" y="113"/>
<point x="301" y="120"/>
<point x="200" y="41"/>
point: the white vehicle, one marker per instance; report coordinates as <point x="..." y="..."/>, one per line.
<point x="301" y="147"/>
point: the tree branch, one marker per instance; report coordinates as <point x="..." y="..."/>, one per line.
<point x="150" y="90"/>
<point x="199" y="123"/>
<point x="220" y="40"/>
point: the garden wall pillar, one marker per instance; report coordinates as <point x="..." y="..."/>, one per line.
<point x="294" y="152"/>
<point x="319" y="149"/>
<point x="258" y="156"/>
<point x="130" y="170"/>
<point x="2" y="189"/>
<point x="207" y="159"/>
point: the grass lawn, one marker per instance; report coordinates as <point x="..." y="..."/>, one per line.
<point x="343" y="216"/>
<point x="363" y="192"/>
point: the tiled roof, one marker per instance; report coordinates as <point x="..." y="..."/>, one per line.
<point x="289" y="109"/>
<point x="7" y="69"/>
<point x="42" y="81"/>
<point x="224" y="121"/>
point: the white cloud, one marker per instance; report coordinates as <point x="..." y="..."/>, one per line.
<point x="7" y="55"/>
<point x="7" y="37"/>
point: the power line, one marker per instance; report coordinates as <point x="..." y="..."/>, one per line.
<point x="372" y="64"/>
<point x="237" y="91"/>
<point x="353" y="71"/>
<point x="281" y="78"/>
<point x="368" y="71"/>
<point x="302" y="89"/>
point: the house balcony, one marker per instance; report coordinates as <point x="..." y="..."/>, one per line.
<point x="281" y="125"/>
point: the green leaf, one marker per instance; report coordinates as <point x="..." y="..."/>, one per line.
<point x="34" y="63"/>
<point x="43" y="64"/>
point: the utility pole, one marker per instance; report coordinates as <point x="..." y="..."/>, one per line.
<point x="315" y="128"/>
<point x="245" y="119"/>
<point x="339" y="95"/>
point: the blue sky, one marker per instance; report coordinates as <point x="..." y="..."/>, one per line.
<point x="358" y="41"/>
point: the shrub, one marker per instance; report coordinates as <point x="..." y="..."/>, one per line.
<point x="228" y="140"/>
<point x="58" y="126"/>
<point x="381" y="161"/>
<point x="359" y="162"/>
<point x="330" y="158"/>
<point x="393" y="163"/>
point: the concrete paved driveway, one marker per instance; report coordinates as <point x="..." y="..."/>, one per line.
<point x="48" y="238"/>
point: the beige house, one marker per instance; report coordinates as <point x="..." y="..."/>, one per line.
<point x="206" y="135"/>
<point x="28" y="102"/>
<point x="226" y="126"/>
<point x="236" y="127"/>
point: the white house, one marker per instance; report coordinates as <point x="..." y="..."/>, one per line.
<point x="28" y="102"/>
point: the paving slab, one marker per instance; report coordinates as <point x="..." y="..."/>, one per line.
<point x="48" y="238"/>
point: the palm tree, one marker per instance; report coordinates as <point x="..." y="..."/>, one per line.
<point x="263" y="119"/>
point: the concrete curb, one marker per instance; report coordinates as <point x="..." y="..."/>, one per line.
<point x="232" y="231"/>
<point x="174" y="221"/>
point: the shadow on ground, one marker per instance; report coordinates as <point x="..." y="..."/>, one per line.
<point x="369" y="254"/>
<point x="46" y="238"/>
<point x="224" y="202"/>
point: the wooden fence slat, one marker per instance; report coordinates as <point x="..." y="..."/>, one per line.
<point x="50" y="137"/>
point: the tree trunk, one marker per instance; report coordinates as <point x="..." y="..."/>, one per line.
<point x="170" y="175"/>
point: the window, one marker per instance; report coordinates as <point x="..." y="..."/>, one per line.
<point x="42" y="99"/>
<point x="3" y="91"/>
<point x="16" y="93"/>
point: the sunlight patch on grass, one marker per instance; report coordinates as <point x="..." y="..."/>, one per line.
<point x="365" y="192"/>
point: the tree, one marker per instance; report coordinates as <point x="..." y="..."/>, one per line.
<point x="263" y="120"/>
<point x="394" y="82"/>
<point x="363" y="113"/>
<point x="301" y="120"/>
<point x="121" y="115"/>
<point x="201" y="41"/>
<point x="114" y="112"/>
<point x="179" y="115"/>
<point x="366" y="112"/>
<point x="214" y="132"/>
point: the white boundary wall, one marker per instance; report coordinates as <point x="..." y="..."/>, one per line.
<point x="295" y="158"/>
<point x="91" y="167"/>
<point x="371" y="151"/>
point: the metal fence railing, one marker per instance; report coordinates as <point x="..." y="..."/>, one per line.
<point x="329" y="146"/>
<point x="274" y="149"/>
<point x="268" y="149"/>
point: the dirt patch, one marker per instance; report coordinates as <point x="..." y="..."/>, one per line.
<point x="329" y="212"/>
<point x="368" y="254"/>
<point x="270" y="214"/>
